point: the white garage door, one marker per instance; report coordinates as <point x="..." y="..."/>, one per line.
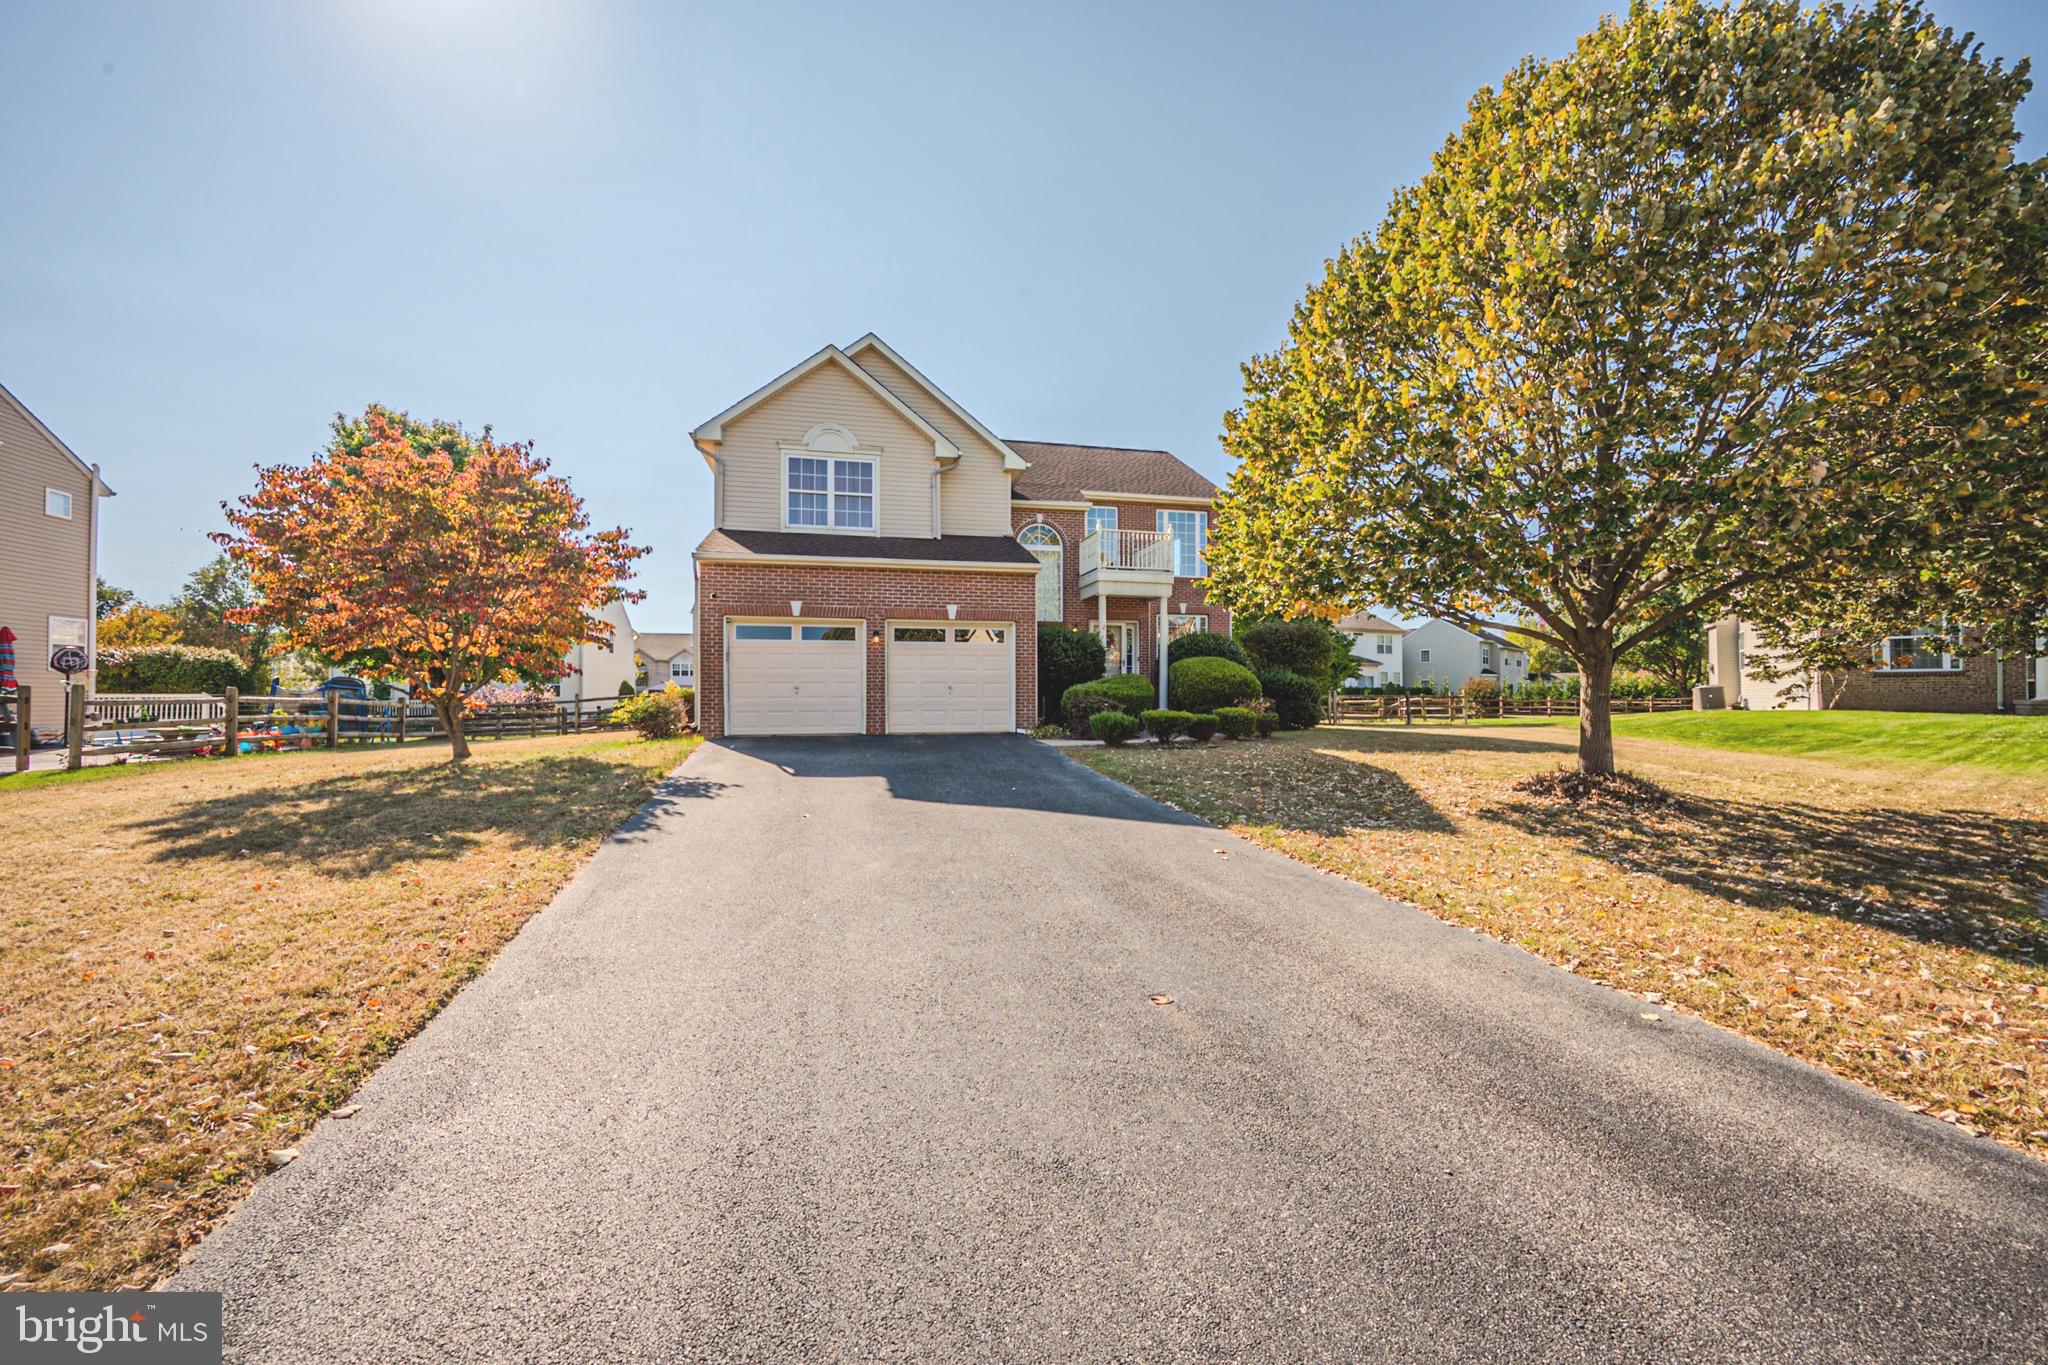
<point x="952" y="677"/>
<point x="795" y="678"/>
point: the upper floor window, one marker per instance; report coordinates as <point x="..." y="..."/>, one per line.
<point x="1922" y="651"/>
<point x="1101" y="519"/>
<point x="57" y="503"/>
<point x="1190" y="541"/>
<point x="831" y="492"/>
<point x="1383" y="645"/>
<point x="680" y="670"/>
<point x="1044" y="543"/>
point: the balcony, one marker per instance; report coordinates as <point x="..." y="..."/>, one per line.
<point x="1117" y="563"/>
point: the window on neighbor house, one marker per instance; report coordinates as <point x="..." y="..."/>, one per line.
<point x="681" y="670"/>
<point x="1423" y="655"/>
<point x="1922" y="651"/>
<point x="1177" y="626"/>
<point x="1383" y="645"/>
<point x="1101" y="519"/>
<point x="1044" y="544"/>
<point x="1190" y="541"/>
<point x="834" y="493"/>
<point x="56" y="503"/>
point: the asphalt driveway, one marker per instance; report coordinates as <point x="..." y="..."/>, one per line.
<point x="849" y="1049"/>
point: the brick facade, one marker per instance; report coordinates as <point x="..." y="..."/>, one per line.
<point x="1973" y="687"/>
<point x="872" y="595"/>
<point x="1186" y="599"/>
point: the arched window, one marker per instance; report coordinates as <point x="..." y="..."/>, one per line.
<point x="1044" y="542"/>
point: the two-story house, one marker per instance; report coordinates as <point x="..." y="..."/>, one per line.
<point x="880" y="559"/>
<point x="1376" y="644"/>
<point x="49" y="555"/>
<point x="1443" y="654"/>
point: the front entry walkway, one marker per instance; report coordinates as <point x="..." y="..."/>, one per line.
<point x="948" y="1049"/>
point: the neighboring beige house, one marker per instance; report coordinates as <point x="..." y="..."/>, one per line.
<point x="1439" y="653"/>
<point x="667" y="657"/>
<point x="595" y="671"/>
<point x="1376" y="644"/>
<point x="49" y="553"/>
<point x="1916" y="671"/>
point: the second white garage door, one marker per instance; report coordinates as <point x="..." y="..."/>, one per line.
<point x="952" y="677"/>
<point x="795" y="678"/>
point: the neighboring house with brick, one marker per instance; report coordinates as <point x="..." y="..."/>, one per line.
<point x="667" y="657"/>
<point x="1917" y="671"/>
<point x="880" y="560"/>
<point x="1376" y="644"/>
<point x="1442" y="654"/>
<point x="49" y="554"/>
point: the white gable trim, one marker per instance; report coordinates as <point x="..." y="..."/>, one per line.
<point x="712" y="432"/>
<point x="90" y="470"/>
<point x="1011" y="459"/>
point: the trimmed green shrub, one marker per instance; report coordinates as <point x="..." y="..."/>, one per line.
<point x="625" y="687"/>
<point x="172" y="668"/>
<point x="1302" y="647"/>
<point x="1237" y="722"/>
<point x="1164" y="725"/>
<point x="1203" y="728"/>
<point x="1065" y="657"/>
<point x="1205" y="644"/>
<point x="1113" y="727"/>
<point x="1206" y="682"/>
<point x="1297" y="700"/>
<point x="1266" y="722"/>
<point x="1124" y="692"/>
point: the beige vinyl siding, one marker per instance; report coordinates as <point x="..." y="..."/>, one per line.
<point x="750" y="454"/>
<point x="45" y="561"/>
<point x="974" y="495"/>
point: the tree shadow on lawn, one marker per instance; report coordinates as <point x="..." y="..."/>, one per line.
<point x="1965" y="878"/>
<point x="1312" y="793"/>
<point x="359" y="823"/>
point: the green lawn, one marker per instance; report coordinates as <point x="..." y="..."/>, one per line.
<point x="2007" y="744"/>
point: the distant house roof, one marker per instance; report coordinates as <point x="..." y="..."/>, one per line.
<point x="662" y="644"/>
<point x="1064" y="473"/>
<point x="991" y="550"/>
<point x="1365" y="623"/>
<point x="1500" y="640"/>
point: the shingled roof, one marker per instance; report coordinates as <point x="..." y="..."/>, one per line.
<point x="956" y="549"/>
<point x="1062" y="473"/>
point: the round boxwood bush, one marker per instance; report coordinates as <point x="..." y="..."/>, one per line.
<point x="1124" y="692"/>
<point x="1202" y="728"/>
<point x="1237" y="722"/>
<point x="1205" y="644"/>
<point x="1113" y="727"/>
<point x="1297" y="700"/>
<point x="1065" y="657"/>
<point x="1266" y="722"/>
<point x="1302" y="647"/>
<point x="1164" y="725"/>
<point x="1206" y="682"/>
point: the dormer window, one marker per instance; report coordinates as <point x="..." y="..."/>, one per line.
<point x="828" y="483"/>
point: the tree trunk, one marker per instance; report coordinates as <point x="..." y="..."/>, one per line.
<point x="451" y="721"/>
<point x="1596" y="706"/>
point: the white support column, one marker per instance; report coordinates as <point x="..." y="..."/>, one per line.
<point x="1161" y="656"/>
<point x="1102" y="617"/>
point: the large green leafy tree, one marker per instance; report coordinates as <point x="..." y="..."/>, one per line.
<point x="1727" y="298"/>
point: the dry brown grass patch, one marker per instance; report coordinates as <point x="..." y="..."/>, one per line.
<point x="199" y="959"/>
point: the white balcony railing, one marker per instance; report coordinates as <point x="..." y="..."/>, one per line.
<point x="1141" y="551"/>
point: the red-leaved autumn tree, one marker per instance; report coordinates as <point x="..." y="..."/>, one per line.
<point x="419" y="550"/>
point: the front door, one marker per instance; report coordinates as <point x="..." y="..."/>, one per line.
<point x="1121" y="648"/>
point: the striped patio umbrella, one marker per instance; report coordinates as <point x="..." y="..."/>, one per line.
<point x="7" y="682"/>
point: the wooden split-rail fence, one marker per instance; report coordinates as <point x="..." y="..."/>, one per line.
<point x="197" y="723"/>
<point x="1409" y="710"/>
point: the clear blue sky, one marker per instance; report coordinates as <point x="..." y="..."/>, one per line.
<point x="594" y="224"/>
